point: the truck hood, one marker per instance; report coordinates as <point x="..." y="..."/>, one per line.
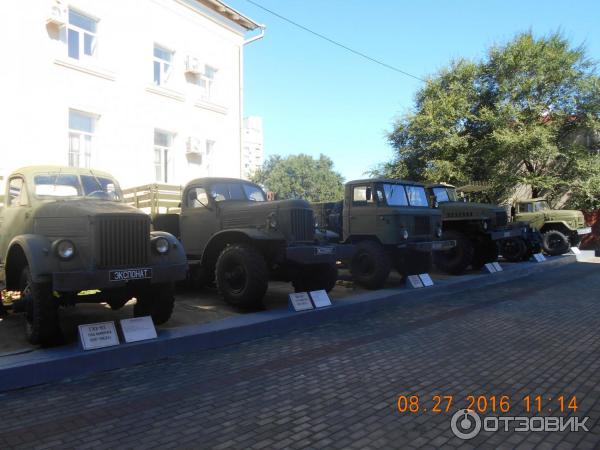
<point x="469" y="209"/>
<point x="562" y="214"/>
<point x="242" y="214"/>
<point x="65" y="209"/>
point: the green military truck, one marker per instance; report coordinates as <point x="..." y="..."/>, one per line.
<point x="234" y="236"/>
<point x="480" y="231"/>
<point x="560" y="228"/>
<point x="392" y="225"/>
<point x="65" y="232"/>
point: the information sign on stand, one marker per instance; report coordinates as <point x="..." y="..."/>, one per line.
<point x="426" y="279"/>
<point x="414" y="281"/>
<point x="320" y="298"/>
<point x="98" y="335"/>
<point x="539" y="257"/>
<point x="300" y="301"/>
<point x="138" y="329"/>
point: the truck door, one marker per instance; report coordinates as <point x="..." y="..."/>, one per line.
<point x="15" y="217"/>
<point x="362" y="212"/>
<point x="199" y="220"/>
<point x="526" y="212"/>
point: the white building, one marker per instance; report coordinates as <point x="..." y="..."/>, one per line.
<point x="252" y="145"/>
<point x="149" y="90"/>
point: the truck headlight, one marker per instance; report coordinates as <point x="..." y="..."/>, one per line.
<point x="161" y="245"/>
<point x="484" y="225"/>
<point x="65" y="249"/>
<point x="438" y="231"/>
<point x="272" y="221"/>
<point x="405" y="234"/>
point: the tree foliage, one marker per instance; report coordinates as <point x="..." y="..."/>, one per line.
<point x="511" y="119"/>
<point x="301" y="176"/>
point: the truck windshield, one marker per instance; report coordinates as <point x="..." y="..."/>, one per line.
<point x="405" y="195"/>
<point x="540" y="206"/>
<point x="443" y="194"/>
<point x="56" y="185"/>
<point x="236" y="191"/>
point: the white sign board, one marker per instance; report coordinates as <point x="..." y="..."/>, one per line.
<point x="576" y="250"/>
<point x="426" y="279"/>
<point x="320" y="298"/>
<point x="414" y="281"/>
<point x="138" y="329"/>
<point x="497" y="266"/>
<point x="300" y="301"/>
<point x="98" y="335"/>
<point x="539" y="257"/>
<point x="490" y="268"/>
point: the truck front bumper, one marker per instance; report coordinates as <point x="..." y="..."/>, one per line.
<point x="429" y="246"/>
<point x="102" y="279"/>
<point x="319" y="254"/>
<point x="507" y="233"/>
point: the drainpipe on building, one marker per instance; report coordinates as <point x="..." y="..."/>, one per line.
<point x="241" y="76"/>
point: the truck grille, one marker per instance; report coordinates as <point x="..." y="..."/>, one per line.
<point x="303" y="224"/>
<point x="501" y="219"/>
<point x="122" y="241"/>
<point x="422" y="225"/>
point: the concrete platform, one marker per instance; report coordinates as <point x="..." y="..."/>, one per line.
<point x="36" y="366"/>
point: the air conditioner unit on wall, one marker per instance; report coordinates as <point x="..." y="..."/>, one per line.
<point x="58" y="14"/>
<point x="193" y="146"/>
<point x="193" y="65"/>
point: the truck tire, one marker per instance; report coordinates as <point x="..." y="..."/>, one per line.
<point x="242" y="276"/>
<point x="42" y="311"/>
<point x="484" y="251"/>
<point x="555" y="243"/>
<point x="370" y="266"/>
<point x="156" y="301"/>
<point x="456" y="260"/>
<point x="513" y="249"/>
<point x="316" y="277"/>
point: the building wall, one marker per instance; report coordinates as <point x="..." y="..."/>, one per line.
<point x="116" y="86"/>
<point x="252" y="145"/>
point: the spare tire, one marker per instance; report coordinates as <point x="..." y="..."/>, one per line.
<point x="555" y="243"/>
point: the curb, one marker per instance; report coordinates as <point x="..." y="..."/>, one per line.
<point x="44" y="366"/>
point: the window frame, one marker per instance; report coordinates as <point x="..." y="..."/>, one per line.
<point x="367" y="201"/>
<point x="22" y="199"/>
<point x="81" y="32"/>
<point x="84" y="138"/>
<point x="164" y="156"/>
<point x="164" y="75"/>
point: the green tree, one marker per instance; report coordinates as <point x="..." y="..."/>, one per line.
<point x="508" y="119"/>
<point x="301" y="176"/>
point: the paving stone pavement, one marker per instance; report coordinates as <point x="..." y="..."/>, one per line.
<point x="336" y="386"/>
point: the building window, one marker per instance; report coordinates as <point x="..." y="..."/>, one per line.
<point x="163" y="142"/>
<point x="81" y="137"/>
<point x="162" y="64"/>
<point x="210" y="145"/>
<point x="81" y="35"/>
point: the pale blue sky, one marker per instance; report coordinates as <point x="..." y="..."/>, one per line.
<point x="316" y="98"/>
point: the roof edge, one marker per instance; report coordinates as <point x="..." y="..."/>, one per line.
<point x="230" y="13"/>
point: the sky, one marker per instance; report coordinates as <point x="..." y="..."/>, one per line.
<point x="317" y="98"/>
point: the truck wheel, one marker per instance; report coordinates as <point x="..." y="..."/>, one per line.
<point x="513" y="249"/>
<point x="42" y="311"/>
<point x="316" y="277"/>
<point x="370" y="266"/>
<point x="157" y="302"/>
<point x="456" y="260"/>
<point x="200" y="277"/>
<point x="484" y="251"/>
<point x="242" y="276"/>
<point x="555" y="243"/>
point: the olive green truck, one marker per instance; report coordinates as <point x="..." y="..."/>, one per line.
<point x="560" y="228"/>
<point x="66" y="237"/>
<point x="481" y="231"/>
<point x="392" y="225"/>
<point x="233" y="236"/>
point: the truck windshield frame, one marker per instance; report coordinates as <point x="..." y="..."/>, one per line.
<point x="405" y="195"/>
<point x="228" y="191"/>
<point x="63" y="185"/>
<point x="444" y="194"/>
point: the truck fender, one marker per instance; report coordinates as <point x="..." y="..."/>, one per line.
<point x="37" y="252"/>
<point x="556" y="225"/>
<point x="219" y="240"/>
<point x="175" y="256"/>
